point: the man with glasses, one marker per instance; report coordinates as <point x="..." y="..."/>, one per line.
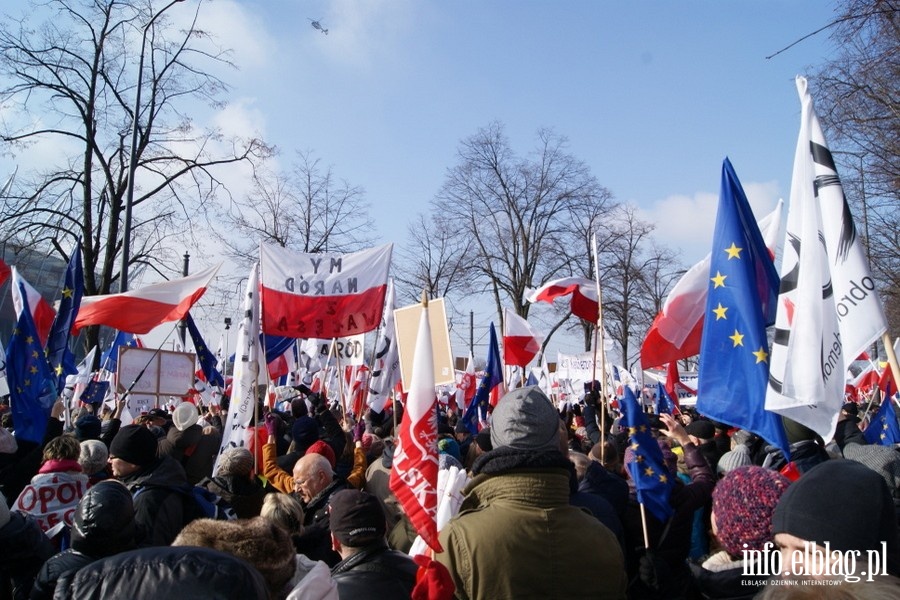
<point x="314" y="484"/>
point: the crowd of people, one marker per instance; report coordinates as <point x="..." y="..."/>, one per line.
<point x="103" y="509"/>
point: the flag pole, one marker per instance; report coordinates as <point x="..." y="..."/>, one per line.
<point x="644" y="526"/>
<point x="599" y="346"/>
<point x="892" y="358"/>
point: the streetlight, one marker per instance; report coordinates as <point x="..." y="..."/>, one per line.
<point x="132" y="160"/>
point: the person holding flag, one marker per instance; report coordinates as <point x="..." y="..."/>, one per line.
<point x="660" y="513"/>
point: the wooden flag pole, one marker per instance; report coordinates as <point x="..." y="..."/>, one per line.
<point x="599" y="347"/>
<point x="644" y="526"/>
<point x="892" y="359"/>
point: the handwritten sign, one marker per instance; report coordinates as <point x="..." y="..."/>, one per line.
<point x="155" y="372"/>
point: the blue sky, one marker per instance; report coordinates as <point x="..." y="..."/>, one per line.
<point x="651" y="94"/>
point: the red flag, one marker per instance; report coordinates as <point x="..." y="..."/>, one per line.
<point x="676" y="330"/>
<point x="673" y="381"/>
<point x="414" y="473"/>
<point x="583" y="291"/>
<point x="5" y="272"/>
<point x="139" y="311"/>
<point x="322" y="295"/>
<point x="41" y="311"/>
<point x="521" y="342"/>
<point x="468" y="384"/>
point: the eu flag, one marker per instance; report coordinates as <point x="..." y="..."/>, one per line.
<point x="59" y="356"/>
<point x="490" y="383"/>
<point x="95" y="392"/>
<point x="883" y="429"/>
<point x="664" y="403"/>
<point x="648" y="471"/>
<point x="734" y="351"/>
<point x="206" y="358"/>
<point x="32" y="390"/>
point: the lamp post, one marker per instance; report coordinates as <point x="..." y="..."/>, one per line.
<point x="132" y="159"/>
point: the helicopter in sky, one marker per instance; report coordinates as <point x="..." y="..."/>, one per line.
<point x="317" y="25"/>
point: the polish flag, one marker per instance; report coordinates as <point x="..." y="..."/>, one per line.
<point x="582" y="290"/>
<point x="414" y="473"/>
<point x="41" y="311"/>
<point x="322" y="295"/>
<point x="521" y="342"/>
<point x="139" y="311"/>
<point x="676" y="330"/>
<point x="465" y="391"/>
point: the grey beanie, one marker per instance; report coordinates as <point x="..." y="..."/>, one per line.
<point x="739" y="457"/>
<point x="525" y="419"/>
<point x="94" y="456"/>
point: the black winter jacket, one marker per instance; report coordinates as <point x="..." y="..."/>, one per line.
<point x="160" y="512"/>
<point x="165" y="572"/>
<point x="23" y="549"/>
<point x="376" y="573"/>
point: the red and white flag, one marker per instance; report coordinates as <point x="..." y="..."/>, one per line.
<point x="41" y="311"/>
<point x="322" y="295"/>
<point x="676" y="330"/>
<point x="583" y="292"/>
<point x="465" y="391"/>
<point x="414" y="474"/>
<point x="139" y="311"/>
<point x="521" y="342"/>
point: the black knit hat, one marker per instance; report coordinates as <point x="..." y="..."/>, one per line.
<point x="356" y="518"/>
<point x="826" y="505"/>
<point x="705" y="430"/>
<point x="87" y="427"/>
<point x="134" y="444"/>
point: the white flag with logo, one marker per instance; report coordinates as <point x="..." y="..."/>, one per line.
<point x="246" y="371"/>
<point x="386" y="370"/>
<point x="828" y="310"/>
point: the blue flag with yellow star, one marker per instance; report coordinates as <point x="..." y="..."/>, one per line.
<point x="734" y="351"/>
<point x="206" y="358"/>
<point x="664" y="402"/>
<point x="109" y="360"/>
<point x="648" y="471"/>
<point x="32" y="390"/>
<point x="490" y="383"/>
<point x="60" y="357"/>
<point x="883" y="428"/>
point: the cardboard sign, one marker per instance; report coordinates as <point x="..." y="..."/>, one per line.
<point x="155" y="372"/>
<point x="406" y="324"/>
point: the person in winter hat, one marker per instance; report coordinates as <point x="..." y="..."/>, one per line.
<point x="743" y="503"/>
<point x="520" y="495"/>
<point x="103" y="525"/>
<point x="259" y="541"/>
<point x="235" y="482"/>
<point x="368" y="568"/>
<point x="843" y="503"/>
<point x="23" y="549"/>
<point x="157" y="485"/>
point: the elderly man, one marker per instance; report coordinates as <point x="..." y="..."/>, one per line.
<point x="314" y="484"/>
<point x="516" y="535"/>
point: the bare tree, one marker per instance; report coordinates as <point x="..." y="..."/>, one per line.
<point x="68" y="70"/>
<point x="519" y="213"/>
<point x="858" y="102"/>
<point x="307" y="210"/>
<point x="433" y="258"/>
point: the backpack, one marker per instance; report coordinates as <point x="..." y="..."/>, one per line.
<point x="204" y="503"/>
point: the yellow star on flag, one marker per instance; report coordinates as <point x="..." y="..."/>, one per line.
<point x="639" y="458"/>
<point x="737" y="338"/>
<point x="718" y="280"/>
<point x="29" y="340"/>
<point x="632" y="430"/>
<point x="761" y="355"/>
<point x="733" y="252"/>
<point x="33" y="369"/>
<point x="649" y="471"/>
<point x="663" y="479"/>
<point x="67" y="292"/>
<point x="34" y="354"/>
<point x="58" y="369"/>
<point x="720" y="311"/>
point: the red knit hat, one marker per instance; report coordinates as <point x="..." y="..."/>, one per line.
<point x="325" y="450"/>
<point x="743" y="503"/>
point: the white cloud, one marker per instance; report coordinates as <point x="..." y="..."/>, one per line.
<point x="237" y="29"/>
<point x="687" y="222"/>
<point x="360" y="33"/>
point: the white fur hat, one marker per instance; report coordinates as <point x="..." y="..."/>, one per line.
<point x="185" y="415"/>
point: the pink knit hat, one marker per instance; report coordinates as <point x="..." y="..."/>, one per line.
<point x="743" y="503"/>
